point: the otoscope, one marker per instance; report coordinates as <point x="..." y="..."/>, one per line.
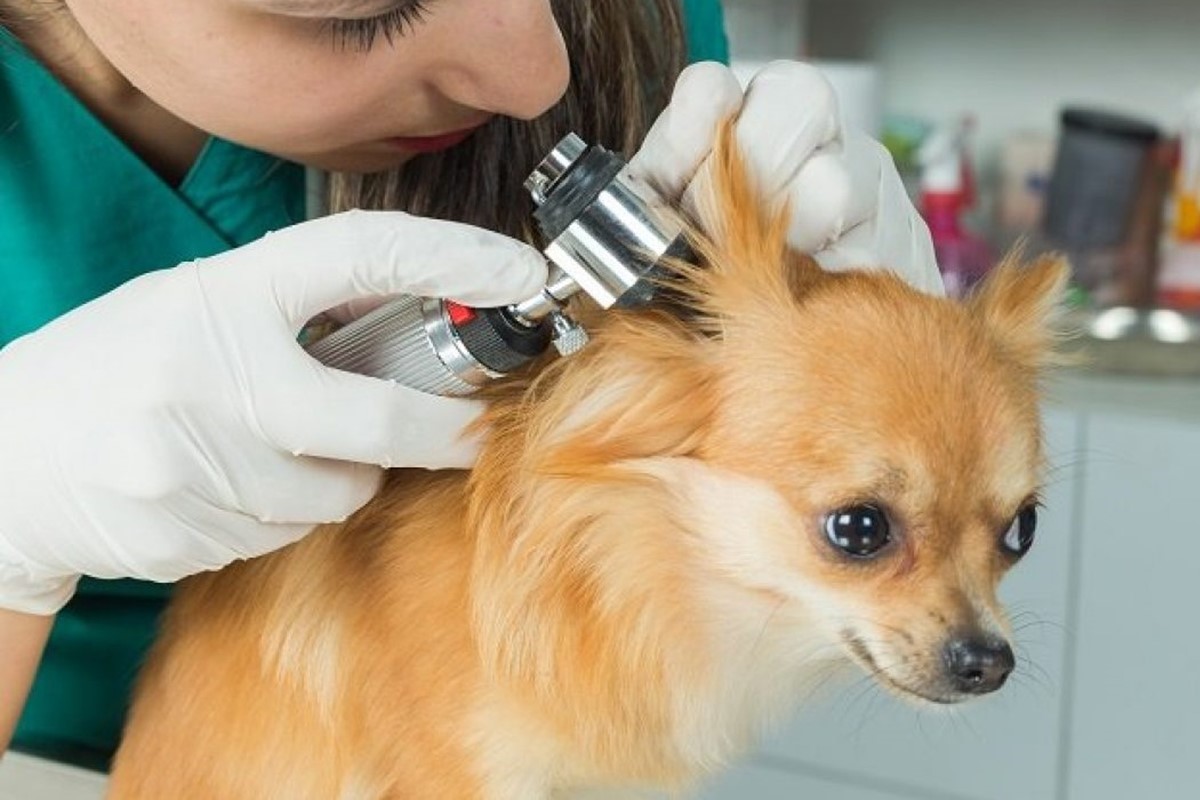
<point x="608" y="236"/>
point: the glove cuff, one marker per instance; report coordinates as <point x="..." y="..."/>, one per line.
<point x="20" y="591"/>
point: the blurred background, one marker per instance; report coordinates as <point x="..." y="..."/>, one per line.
<point x="1001" y="93"/>
<point x="1073" y="126"/>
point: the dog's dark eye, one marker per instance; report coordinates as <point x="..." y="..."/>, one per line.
<point x="859" y="531"/>
<point x="1019" y="536"/>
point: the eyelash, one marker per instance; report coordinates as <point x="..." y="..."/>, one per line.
<point x="391" y="25"/>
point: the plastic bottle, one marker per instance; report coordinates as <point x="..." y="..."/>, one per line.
<point x="1179" y="279"/>
<point x="963" y="257"/>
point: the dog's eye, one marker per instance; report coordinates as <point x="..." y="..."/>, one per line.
<point x="1019" y="536"/>
<point x="859" y="531"/>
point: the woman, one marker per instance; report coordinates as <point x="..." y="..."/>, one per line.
<point x="159" y="422"/>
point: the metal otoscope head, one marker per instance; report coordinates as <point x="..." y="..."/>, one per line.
<point x="607" y="233"/>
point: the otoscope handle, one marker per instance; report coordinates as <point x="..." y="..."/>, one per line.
<point x="435" y="346"/>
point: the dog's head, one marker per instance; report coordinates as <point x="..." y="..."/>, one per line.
<point x="858" y="456"/>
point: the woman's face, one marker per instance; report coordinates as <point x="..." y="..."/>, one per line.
<point x="337" y="84"/>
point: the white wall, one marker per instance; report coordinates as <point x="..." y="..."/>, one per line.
<point x="1015" y="62"/>
<point x="761" y="30"/>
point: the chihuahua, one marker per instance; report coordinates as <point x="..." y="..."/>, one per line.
<point x="666" y="540"/>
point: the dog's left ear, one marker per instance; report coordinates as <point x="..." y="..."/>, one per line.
<point x="1019" y="304"/>
<point x="742" y="240"/>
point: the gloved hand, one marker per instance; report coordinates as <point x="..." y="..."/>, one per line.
<point x="849" y="206"/>
<point x="174" y="425"/>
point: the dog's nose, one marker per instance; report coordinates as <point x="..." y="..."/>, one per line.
<point x="978" y="665"/>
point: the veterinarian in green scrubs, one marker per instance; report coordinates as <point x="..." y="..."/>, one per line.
<point x="157" y="420"/>
<point x="124" y="219"/>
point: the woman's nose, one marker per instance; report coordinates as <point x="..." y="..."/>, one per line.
<point x="513" y="60"/>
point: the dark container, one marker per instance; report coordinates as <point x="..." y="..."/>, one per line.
<point x="1100" y="163"/>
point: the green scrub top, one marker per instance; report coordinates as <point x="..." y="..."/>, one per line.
<point x="81" y="214"/>
<point x="706" y="31"/>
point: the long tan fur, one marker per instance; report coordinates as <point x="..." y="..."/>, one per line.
<point x="633" y="581"/>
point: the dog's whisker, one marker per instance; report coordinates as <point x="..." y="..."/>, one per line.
<point x="1044" y="623"/>
<point x="877" y="700"/>
<point x="1035" y="672"/>
<point x="783" y="601"/>
<point x="855" y="694"/>
<point x="921" y="717"/>
<point x="827" y="676"/>
<point x="1023" y="681"/>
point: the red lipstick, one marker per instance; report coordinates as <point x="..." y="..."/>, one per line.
<point x="432" y="144"/>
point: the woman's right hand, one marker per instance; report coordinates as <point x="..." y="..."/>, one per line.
<point x="175" y="425"/>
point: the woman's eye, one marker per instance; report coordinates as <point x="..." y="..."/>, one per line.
<point x="858" y="531"/>
<point x="1019" y="536"/>
<point x="361" y="34"/>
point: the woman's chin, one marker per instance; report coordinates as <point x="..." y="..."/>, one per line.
<point x="359" y="160"/>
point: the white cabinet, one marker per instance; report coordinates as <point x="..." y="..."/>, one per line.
<point x="759" y="782"/>
<point x="23" y="777"/>
<point x="1135" y="698"/>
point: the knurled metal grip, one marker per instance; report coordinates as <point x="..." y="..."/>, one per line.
<point x="408" y="341"/>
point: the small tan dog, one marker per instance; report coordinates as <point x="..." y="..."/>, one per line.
<point x="667" y="537"/>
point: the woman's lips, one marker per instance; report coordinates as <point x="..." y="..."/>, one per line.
<point x="432" y="144"/>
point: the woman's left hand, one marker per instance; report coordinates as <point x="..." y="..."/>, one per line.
<point x="849" y="207"/>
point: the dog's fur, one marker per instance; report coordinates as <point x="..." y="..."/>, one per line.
<point x="635" y="578"/>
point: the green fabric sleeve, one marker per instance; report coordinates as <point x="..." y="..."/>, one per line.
<point x="706" y="31"/>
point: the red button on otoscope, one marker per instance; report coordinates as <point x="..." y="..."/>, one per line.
<point x="459" y="314"/>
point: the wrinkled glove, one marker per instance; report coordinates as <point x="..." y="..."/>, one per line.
<point x="175" y="425"/>
<point x="849" y="206"/>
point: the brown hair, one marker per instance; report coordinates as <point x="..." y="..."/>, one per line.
<point x="625" y="55"/>
<point x="16" y="15"/>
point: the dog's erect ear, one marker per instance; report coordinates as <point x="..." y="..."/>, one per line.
<point x="1019" y="305"/>
<point x="743" y="243"/>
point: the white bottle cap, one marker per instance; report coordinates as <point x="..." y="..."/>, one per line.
<point x="940" y="159"/>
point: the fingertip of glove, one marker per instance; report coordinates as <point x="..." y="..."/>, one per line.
<point x="819" y="225"/>
<point x="446" y="439"/>
<point x="709" y="83"/>
<point x="800" y="83"/>
<point x="39" y="597"/>
<point x="801" y="76"/>
<point x="530" y="266"/>
<point x="366" y="481"/>
<point x="517" y="278"/>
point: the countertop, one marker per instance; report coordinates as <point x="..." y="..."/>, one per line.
<point x="1094" y="391"/>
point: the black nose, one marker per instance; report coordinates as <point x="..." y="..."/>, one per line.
<point x="978" y="665"/>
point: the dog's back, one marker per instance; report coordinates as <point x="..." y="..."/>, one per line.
<point x="326" y="670"/>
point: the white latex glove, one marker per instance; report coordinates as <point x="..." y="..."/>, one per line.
<point x="174" y="425"/>
<point x="849" y="206"/>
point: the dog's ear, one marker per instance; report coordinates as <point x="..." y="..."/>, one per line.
<point x="741" y="240"/>
<point x="1019" y="305"/>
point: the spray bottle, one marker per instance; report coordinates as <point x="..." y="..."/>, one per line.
<point x="947" y="189"/>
